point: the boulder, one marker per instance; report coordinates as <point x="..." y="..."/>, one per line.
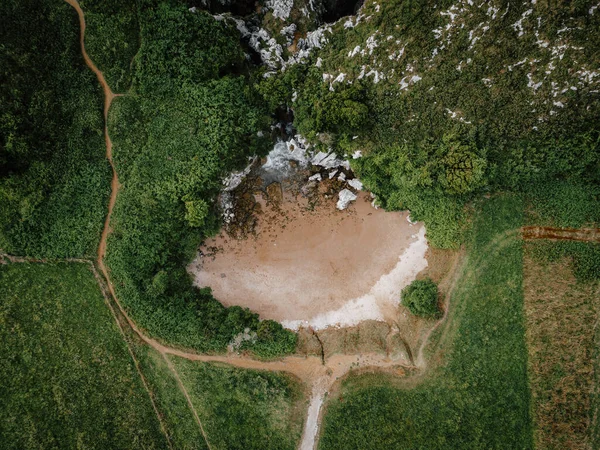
<point x="345" y="197"/>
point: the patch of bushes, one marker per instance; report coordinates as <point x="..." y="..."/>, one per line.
<point x="54" y="177"/>
<point x="112" y="38"/>
<point x="179" y="132"/>
<point x="178" y="46"/>
<point x="568" y="203"/>
<point x="421" y="298"/>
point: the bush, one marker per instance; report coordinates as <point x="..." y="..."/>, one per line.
<point x="420" y="297"/>
<point x="54" y="177"/>
<point x="171" y="152"/>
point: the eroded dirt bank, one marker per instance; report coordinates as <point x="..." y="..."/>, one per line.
<point x="313" y="265"/>
<point x="564" y="234"/>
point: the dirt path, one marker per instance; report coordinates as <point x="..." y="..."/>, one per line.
<point x="564" y="234"/>
<point x="109" y="96"/>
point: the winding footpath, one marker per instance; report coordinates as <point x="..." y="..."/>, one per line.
<point x="109" y="96"/>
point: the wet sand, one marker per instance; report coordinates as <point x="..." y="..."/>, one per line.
<point x="316" y="268"/>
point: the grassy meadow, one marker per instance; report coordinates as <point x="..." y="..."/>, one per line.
<point x="561" y="314"/>
<point x="245" y="409"/>
<point x="181" y="426"/>
<point x="562" y="305"/>
<point x="476" y="392"/>
<point x="67" y="379"/>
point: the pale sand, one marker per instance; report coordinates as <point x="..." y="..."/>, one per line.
<point x="317" y="268"/>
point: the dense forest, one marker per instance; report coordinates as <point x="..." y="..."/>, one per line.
<point x="54" y="177"/>
<point x="190" y="116"/>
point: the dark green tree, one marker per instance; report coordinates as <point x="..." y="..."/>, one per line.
<point x="421" y="298"/>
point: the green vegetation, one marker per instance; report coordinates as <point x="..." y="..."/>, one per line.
<point x="563" y="354"/>
<point x="179" y="131"/>
<point x="67" y="379"/>
<point x="179" y="421"/>
<point x="478" y="395"/>
<point x="112" y="38"/>
<point x="421" y="298"/>
<point x="585" y="257"/>
<point x="54" y="177"/>
<point x="571" y="204"/>
<point x="564" y="203"/>
<point x="561" y="301"/>
<point x="447" y="101"/>
<point x="179" y="47"/>
<point x="244" y="409"/>
<point x="455" y="99"/>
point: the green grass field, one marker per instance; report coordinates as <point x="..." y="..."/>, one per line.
<point x="477" y="395"/>
<point x="178" y="418"/>
<point x="562" y="305"/>
<point x="561" y="315"/>
<point x="67" y="379"/>
<point x="244" y="409"/>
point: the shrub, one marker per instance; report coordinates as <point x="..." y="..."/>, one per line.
<point x="54" y="177"/>
<point x="420" y="297"/>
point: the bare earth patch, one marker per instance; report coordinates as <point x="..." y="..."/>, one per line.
<point x="312" y="265"/>
<point x="561" y="316"/>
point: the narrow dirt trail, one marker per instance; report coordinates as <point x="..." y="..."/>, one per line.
<point x="114" y="185"/>
<point x="109" y="96"/>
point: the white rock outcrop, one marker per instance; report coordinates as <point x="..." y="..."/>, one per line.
<point x="345" y="197"/>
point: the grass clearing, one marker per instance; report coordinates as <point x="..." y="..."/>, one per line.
<point x="181" y="426"/>
<point x="244" y="409"/>
<point x="67" y="379"/>
<point x="478" y="396"/>
<point x="561" y="314"/>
